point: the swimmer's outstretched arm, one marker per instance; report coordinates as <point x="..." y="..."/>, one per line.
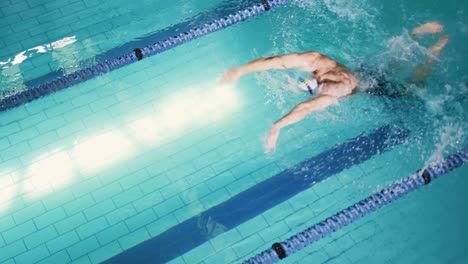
<point x="288" y="61"/>
<point x="297" y="114"/>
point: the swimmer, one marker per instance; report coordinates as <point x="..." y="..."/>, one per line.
<point x="329" y="80"/>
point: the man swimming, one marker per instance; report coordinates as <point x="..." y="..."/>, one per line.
<point x="329" y="82"/>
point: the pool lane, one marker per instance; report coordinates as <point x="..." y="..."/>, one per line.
<point x="246" y="205"/>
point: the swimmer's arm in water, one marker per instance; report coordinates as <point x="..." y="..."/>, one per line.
<point x="288" y="61"/>
<point x="298" y="113"/>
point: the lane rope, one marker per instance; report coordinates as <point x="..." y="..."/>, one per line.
<point x="281" y="250"/>
<point x="137" y="54"/>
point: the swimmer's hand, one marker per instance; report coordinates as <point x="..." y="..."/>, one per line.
<point x="271" y="139"/>
<point x="231" y="76"/>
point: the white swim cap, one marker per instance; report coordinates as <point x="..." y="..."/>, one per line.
<point x="309" y="85"/>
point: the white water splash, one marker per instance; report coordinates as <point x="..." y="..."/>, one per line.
<point x="275" y="85"/>
<point x="451" y="135"/>
<point x="351" y="11"/>
<point x="404" y="49"/>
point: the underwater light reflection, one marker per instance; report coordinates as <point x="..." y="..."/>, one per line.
<point x="8" y="190"/>
<point x="197" y="107"/>
<point x="49" y="174"/>
<point x="57" y="169"/>
<point x="102" y="150"/>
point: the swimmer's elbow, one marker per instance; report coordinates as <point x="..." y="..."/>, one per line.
<point x="319" y="103"/>
<point x="306" y="107"/>
<point x="310" y="55"/>
<point x="289" y="61"/>
<point x="297" y="60"/>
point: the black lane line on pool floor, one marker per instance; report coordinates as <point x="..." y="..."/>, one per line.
<point x="244" y="206"/>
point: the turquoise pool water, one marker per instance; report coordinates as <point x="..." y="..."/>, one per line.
<point x="93" y="171"/>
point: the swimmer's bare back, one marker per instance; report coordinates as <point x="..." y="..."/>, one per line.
<point x="337" y="80"/>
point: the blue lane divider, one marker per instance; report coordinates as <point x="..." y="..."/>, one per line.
<point x="244" y="206"/>
<point x="137" y="54"/>
<point x="357" y="211"/>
